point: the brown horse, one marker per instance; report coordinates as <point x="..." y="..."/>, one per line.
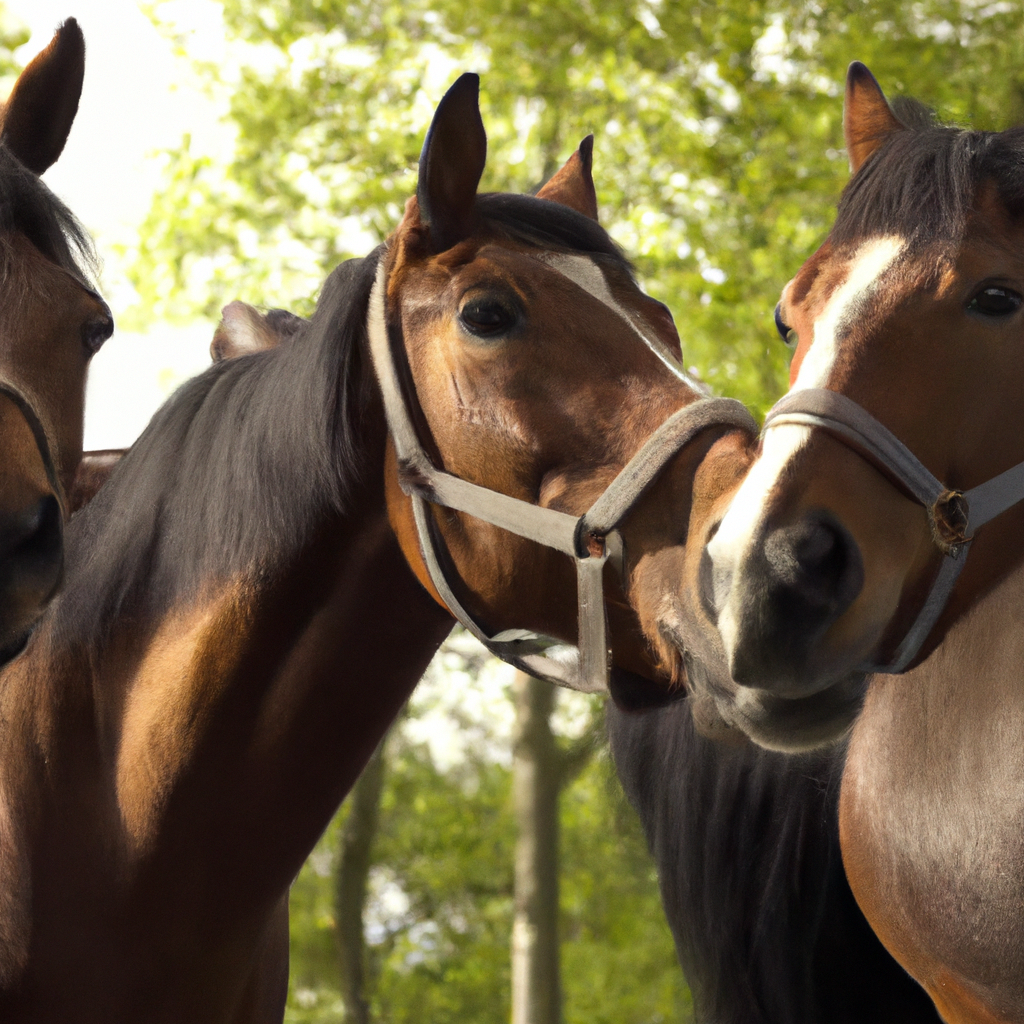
<point x="250" y="598"/>
<point x="880" y="531"/>
<point x="52" y="323"/>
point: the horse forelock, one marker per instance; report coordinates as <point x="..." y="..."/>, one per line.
<point x="923" y="182"/>
<point x="29" y="207"/>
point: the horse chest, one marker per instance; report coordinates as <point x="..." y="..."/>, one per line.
<point x="932" y="815"/>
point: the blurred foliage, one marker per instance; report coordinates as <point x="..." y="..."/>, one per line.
<point x="12" y="35"/>
<point x="440" y="911"/>
<point x="719" y="143"/>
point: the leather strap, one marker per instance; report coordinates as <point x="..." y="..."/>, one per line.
<point x="590" y="540"/>
<point x="42" y="443"/>
<point x="954" y="515"/>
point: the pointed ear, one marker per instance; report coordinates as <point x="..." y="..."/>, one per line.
<point x="451" y="164"/>
<point x="573" y="185"/>
<point x="37" y="117"/>
<point x="868" y="119"/>
<point x="243" y="329"/>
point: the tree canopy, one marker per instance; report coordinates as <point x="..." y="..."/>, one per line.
<point x="718" y="158"/>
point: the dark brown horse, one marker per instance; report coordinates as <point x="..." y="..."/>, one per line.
<point x="881" y="531"/>
<point x="249" y="601"/>
<point x="52" y="322"/>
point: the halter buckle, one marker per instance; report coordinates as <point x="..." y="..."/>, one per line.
<point x="949" y="517"/>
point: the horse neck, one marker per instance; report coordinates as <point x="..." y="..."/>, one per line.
<point x="228" y="710"/>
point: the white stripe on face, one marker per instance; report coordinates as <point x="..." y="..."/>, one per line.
<point x="736" y="536"/>
<point x="585" y="273"/>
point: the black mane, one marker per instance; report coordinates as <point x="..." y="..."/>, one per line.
<point x="28" y="206"/>
<point x="233" y="473"/>
<point x="921" y="184"/>
<point x="747" y="847"/>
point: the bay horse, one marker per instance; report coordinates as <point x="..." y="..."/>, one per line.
<point x="255" y="591"/>
<point x="879" y="535"/>
<point x="53" y="321"/>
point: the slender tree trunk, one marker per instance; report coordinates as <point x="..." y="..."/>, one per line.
<point x="536" y="982"/>
<point x="357" y="838"/>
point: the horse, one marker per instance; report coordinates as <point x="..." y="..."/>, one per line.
<point x="53" y="323"/>
<point x="252" y="595"/>
<point x="878" y="535"/>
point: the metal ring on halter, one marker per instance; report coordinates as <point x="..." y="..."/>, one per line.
<point x="590" y="540"/>
<point x="952" y="515"/>
<point x="42" y="441"/>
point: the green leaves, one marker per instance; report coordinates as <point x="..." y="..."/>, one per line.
<point x="718" y="157"/>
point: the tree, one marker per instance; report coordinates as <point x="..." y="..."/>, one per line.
<point x="718" y="156"/>
<point x="440" y="893"/>
<point x="354" y="857"/>
<point x="541" y="769"/>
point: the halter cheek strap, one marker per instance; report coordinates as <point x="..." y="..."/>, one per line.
<point x="590" y="540"/>
<point x="39" y="433"/>
<point x="953" y="515"/>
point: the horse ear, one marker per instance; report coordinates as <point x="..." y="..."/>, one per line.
<point x="451" y="164"/>
<point x="573" y="184"/>
<point x="37" y="117"/>
<point x="868" y="119"/>
<point x="243" y="329"/>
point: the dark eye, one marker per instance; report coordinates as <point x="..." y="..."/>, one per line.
<point x="95" y="332"/>
<point x="786" y="333"/>
<point x="995" y="302"/>
<point x="487" y="316"/>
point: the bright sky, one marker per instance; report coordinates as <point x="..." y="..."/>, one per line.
<point x="139" y="98"/>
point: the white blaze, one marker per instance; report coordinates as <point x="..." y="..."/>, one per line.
<point x="740" y="528"/>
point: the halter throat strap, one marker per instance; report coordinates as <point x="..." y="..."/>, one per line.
<point x="953" y="515"/>
<point x="590" y="540"/>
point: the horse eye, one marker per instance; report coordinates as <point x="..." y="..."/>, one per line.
<point x="995" y="302"/>
<point x="486" y="316"/>
<point x="95" y="332"/>
<point x="786" y="333"/>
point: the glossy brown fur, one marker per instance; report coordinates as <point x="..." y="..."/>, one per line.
<point x="51" y="322"/>
<point x="234" y="639"/>
<point x="932" y="802"/>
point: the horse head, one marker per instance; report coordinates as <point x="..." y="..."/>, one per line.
<point x="882" y="466"/>
<point x="533" y="367"/>
<point x="52" y="323"/>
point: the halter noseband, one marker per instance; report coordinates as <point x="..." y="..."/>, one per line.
<point x="590" y="540"/>
<point x="953" y="515"/>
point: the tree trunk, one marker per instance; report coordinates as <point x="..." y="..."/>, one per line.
<point x="536" y="982"/>
<point x="357" y="837"/>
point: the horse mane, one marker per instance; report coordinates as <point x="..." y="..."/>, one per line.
<point x="746" y="842"/>
<point x="28" y="206"/>
<point x="922" y="182"/>
<point x="236" y="469"/>
<point x="233" y="471"/>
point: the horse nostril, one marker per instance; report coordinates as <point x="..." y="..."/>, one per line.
<point x="817" y="561"/>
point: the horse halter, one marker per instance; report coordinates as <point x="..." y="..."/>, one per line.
<point x="590" y="540"/>
<point x="952" y="515"/>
